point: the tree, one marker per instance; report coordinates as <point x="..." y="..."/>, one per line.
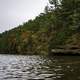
<point x="56" y="3"/>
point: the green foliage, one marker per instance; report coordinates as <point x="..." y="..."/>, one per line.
<point x="50" y="29"/>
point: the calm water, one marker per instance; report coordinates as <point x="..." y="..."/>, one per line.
<point x="13" y="67"/>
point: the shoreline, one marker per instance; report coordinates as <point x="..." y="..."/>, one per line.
<point x="63" y="52"/>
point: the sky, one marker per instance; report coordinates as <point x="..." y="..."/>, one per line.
<point x="15" y="12"/>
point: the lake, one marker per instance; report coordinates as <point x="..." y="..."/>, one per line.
<point x="25" y="67"/>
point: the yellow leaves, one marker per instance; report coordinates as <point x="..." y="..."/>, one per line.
<point x="24" y="35"/>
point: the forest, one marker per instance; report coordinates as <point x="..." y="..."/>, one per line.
<point x="57" y="27"/>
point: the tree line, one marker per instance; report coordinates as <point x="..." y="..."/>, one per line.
<point x="59" y="25"/>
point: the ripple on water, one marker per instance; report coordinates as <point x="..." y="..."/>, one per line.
<point x="37" y="68"/>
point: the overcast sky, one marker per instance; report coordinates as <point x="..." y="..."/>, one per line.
<point x="15" y="12"/>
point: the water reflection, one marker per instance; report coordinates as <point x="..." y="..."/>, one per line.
<point x="39" y="68"/>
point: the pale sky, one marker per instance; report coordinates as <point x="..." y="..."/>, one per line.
<point x="15" y="12"/>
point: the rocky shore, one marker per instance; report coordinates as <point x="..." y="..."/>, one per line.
<point x="65" y="51"/>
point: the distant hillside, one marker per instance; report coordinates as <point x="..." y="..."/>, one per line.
<point x="58" y="26"/>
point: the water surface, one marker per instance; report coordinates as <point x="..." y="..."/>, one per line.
<point x="18" y="67"/>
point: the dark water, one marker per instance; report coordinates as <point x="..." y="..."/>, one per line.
<point x="13" y="67"/>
